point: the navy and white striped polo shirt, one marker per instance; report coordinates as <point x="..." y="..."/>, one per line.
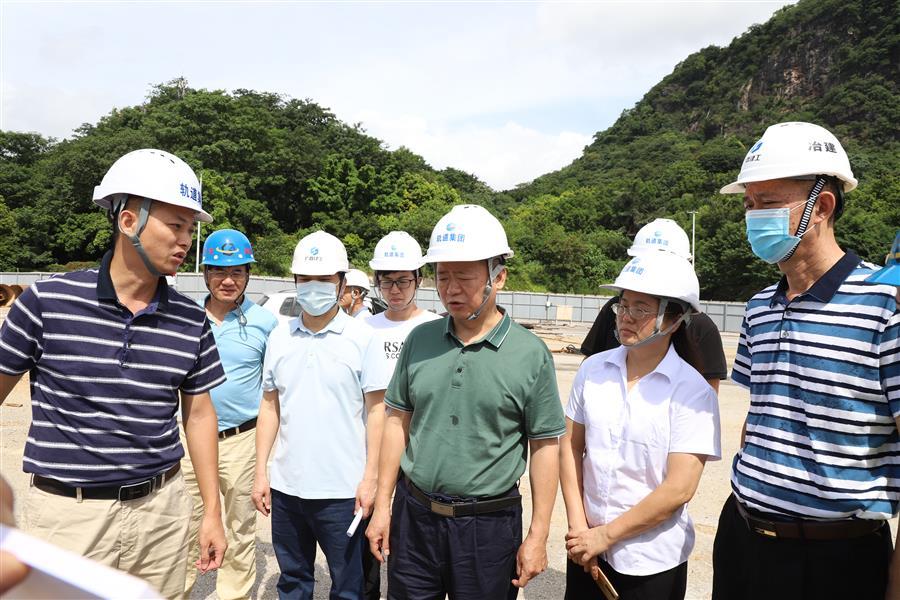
<point x="824" y="376"/>
<point x="104" y="382"/>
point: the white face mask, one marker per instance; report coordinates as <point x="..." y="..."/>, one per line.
<point x="316" y="297"/>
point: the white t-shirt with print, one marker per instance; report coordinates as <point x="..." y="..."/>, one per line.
<point x="387" y="342"/>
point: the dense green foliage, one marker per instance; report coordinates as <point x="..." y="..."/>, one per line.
<point x="277" y="168"/>
<point x="827" y="61"/>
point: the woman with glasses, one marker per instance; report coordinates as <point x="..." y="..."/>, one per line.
<point x="641" y="423"/>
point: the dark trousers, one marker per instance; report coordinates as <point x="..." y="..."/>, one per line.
<point x="747" y="565"/>
<point x="297" y="525"/>
<point x="667" y="585"/>
<point x="467" y="558"/>
<point x="371" y="569"/>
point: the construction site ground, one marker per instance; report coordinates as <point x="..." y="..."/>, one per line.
<point x="15" y="416"/>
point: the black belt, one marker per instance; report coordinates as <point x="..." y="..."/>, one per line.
<point x="462" y="509"/>
<point x="113" y="492"/>
<point x="247" y="426"/>
<point x="798" y="529"/>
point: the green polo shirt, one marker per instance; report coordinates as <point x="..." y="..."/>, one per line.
<point x="474" y="407"/>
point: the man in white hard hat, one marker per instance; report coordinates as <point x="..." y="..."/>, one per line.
<point x="397" y="263"/>
<point x="472" y="393"/>
<point x="815" y="480"/>
<point x="664" y="235"/>
<point x="353" y="299"/>
<point x="319" y="404"/>
<point x="111" y="351"/>
<point x="241" y="328"/>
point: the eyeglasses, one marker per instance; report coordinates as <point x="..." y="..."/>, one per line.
<point x="386" y="284"/>
<point x="635" y="313"/>
<point x="237" y="274"/>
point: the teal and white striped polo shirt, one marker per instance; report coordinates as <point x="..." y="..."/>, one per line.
<point x="824" y="376"/>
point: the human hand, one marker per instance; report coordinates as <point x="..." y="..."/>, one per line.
<point x="262" y="495"/>
<point x="212" y="543"/>
<point x="365" y="496"/>
<point x="585" y="544"/>
<point x="531" y="560"/>
<point x="379" y="532"/>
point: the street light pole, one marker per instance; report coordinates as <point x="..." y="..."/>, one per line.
<point x="693" y="237"/>
<point x="197" y="260"/>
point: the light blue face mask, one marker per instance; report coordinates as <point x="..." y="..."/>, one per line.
<point x="316" y="297"/>
<point x="768" y="229"/>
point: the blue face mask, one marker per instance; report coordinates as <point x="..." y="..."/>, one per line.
<point x="316" y="297"/>
<point x="768" y="232"/>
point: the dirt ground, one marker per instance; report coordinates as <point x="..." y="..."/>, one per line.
<point x="15" y="416"/>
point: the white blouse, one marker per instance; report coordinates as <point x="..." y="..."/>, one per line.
<point x="628" y="438"/>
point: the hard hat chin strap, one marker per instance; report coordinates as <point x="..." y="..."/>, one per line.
<point x="803" y="226"/>
<point x="493" y="272"/>
<point x="135" y="239"/>
<point x="657" y="332"/>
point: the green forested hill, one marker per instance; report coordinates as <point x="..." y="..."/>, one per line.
<point x="832" y="62"/>
<point x="278" y="167"/>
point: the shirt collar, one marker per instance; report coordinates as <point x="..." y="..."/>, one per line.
<point x="232" y="314"/>
<point x="336" y="324"/>
<point x="107" y="291"/>
<point x="494" y="337"/>
<point x="667" y="367"/>
<point x="826" y="286"/>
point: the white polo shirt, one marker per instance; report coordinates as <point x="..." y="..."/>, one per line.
<point x="320" y="452"/>
<point x="389" y="337"/>
<point x="628" y="438"/>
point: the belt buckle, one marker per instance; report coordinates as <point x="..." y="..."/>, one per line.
<point x="445" y="510"/>
<point x="766" y="532"/>
<point x="134" y="490"/>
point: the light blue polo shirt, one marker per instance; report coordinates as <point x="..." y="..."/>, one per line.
<point x="320" y="451"/>
<point x="241" y="349"/>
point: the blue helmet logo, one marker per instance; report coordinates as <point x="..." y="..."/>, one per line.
<point x="227" y="247"/>
<point x="756" y="146"/>
<point x="313" y="251"/>
<point x="451" y="226"/>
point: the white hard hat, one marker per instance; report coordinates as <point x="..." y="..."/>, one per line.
<point x="397" y="251"/>
<point x="662" y="235"/>
<point x="153" y="174"/>
<point x="468" y="232"/>
<point x="357" y="278"/>
<point x="660" y="274"/>
<point x="319" y="253"/>
<point x="794" y="149"/>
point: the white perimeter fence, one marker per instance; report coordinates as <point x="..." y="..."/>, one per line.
<point x="522" y="306"/>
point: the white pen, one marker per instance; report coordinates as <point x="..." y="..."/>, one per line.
<point x="357" y="517"/>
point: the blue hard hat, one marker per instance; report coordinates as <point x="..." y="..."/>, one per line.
<point x="227" y="248"/>
<point x="890" y="273"/>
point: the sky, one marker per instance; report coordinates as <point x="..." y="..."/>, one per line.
<point x="507" y="91"/>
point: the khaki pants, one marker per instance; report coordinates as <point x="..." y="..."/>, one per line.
<point x="146" y="537"/>
<point x="237" y="458"/>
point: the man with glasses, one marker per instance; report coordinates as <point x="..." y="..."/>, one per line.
<point x="397" y="263"/>
<point x="241" y="329"/>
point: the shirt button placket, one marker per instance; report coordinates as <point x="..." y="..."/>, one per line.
<point x="457" y="378"/>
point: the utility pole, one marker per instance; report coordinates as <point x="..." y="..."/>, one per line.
<point x="197" y="263"/>
<point x="693" y="214"/>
